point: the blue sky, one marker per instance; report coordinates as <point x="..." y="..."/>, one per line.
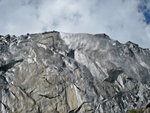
<point x="144" y="8"/>
<point x="122" y="20"/>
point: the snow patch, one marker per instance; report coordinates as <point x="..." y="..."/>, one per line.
<point x="144" y="64"/>
<point x="42" y="45"/>
<point x="80" y="40"/>
<point x="77" y="96"/>
<point x="80" y="57"/>
<point x="29" y="60"/>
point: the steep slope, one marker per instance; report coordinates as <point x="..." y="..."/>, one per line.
<point x="56" y="72"/>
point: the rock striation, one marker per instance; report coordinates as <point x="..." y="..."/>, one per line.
<point x="56" y="72"/>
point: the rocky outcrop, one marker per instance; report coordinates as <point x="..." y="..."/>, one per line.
<point x="145" y="109"/>
<point x="56" y="72"/>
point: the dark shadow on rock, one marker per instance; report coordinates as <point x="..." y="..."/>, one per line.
<point x="5" y="67"/>
<point x="113" y="75"/>
<point x="71" y="54"/>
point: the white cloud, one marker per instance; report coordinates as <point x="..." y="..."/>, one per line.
<point x="120" y="19"/>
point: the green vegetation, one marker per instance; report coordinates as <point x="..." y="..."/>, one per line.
<point x="132" y="111"/>
<point x="139" y="110"/>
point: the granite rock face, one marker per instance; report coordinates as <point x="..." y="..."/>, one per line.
<point x="57" y="72"/>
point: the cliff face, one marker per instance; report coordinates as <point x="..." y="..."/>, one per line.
<point x="72" y="73"/>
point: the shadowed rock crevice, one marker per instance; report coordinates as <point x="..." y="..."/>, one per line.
<point x="113" y="75"/>
<point x="71" y="54"/>
<point x="5" y="67"/>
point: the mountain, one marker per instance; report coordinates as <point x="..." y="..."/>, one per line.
<point x="55" y="72"/>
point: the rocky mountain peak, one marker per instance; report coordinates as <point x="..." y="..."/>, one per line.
<point x="55" y="72"/>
